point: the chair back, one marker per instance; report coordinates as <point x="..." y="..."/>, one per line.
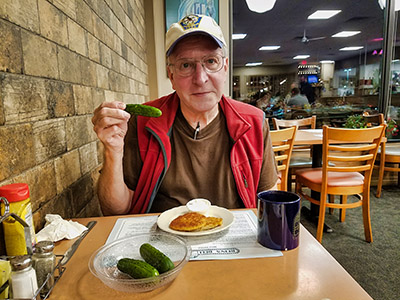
<point x="282" y="144"/>
<point x="300" y="123"/>
<point x="374" y="120"/>
<point x="350" y="150"/>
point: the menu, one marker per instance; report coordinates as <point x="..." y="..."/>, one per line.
<point x="239" y="241"/>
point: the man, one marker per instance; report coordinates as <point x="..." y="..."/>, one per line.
<point x="297" y="100"/>
<point x="204" y="144"/>
<point x="307" y="89"/>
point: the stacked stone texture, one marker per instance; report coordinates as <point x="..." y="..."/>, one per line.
<point x="59" y="59"/>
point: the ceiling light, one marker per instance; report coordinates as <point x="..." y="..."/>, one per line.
<point x="351" y="48"/>
<point x="253" y="64"/>
<point x="327" y="61"/>
<point x="238" y="36"/>
<point x="395" y="60"/>
<point x="323" y="14"/>
<point x="260" y="6"/>
<point x="303" y="56"/>
<point x="346" y="33"/>
<point x="269" y="48"/>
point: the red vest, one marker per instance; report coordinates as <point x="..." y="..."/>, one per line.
<point x="245" y="126"/>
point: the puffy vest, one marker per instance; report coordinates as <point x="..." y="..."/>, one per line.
<point x="245" y="127"/>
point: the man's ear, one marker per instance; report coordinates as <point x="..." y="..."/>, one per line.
<point x="170" y="74"/>
<point x="171" y="77"/>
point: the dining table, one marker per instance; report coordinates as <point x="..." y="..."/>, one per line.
<point x="306" y="272"/>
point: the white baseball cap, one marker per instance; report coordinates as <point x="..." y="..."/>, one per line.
<point x="193" y="24"/>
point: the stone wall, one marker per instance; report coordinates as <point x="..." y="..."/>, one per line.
<point x="59" y="59"/>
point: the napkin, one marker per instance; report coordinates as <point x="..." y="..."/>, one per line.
<point x="56" y="229"/>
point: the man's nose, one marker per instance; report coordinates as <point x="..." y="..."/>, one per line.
<point x="200" y="74"/>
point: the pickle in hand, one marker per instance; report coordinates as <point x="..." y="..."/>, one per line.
<point x="143" y="110"/>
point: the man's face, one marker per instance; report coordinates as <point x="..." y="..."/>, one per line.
<point x="201" y="91"/>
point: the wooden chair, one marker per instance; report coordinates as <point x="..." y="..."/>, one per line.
<point x="302" y="155"/>
<point x="376" y="120"/>
<point x="282" y="144"/>
<point x="391" y="156"/>
<point x="342" y="165"/>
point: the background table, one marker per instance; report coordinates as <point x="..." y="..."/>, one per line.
<point x="308" y="272"/>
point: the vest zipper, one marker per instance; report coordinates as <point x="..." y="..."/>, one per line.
<point x="244" y="180"/>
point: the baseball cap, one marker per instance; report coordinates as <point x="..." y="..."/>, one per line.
<point x="193" y="24"/>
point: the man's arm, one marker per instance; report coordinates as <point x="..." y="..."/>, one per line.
<point x="111" y="124"/>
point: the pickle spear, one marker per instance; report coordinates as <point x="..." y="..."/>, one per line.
<point x="143" y="110"/>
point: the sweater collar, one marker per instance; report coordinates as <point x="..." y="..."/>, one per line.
<point x="169" y="105"/>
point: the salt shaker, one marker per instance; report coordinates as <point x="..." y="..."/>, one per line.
<point x="23" y="277"/>
<point x="44" y="262"/>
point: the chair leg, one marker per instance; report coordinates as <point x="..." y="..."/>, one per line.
<point x="289" y="180"/>
<point x="343" y="200"/>
<point x="331" y="200"/>
<point x="367" y="217"/>
<point x="381" y="170"/>
<point x="321" y="217"/>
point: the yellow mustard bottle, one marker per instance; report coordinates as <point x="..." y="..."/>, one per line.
<point x="5" y="272"/>
<point x="17" y="194"/>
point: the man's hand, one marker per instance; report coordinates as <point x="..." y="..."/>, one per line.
<point x="111" y="124"/>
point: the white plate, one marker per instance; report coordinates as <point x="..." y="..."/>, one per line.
<point x="214" y="211"/>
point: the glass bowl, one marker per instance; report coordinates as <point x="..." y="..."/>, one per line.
<point x="103" y="262"/>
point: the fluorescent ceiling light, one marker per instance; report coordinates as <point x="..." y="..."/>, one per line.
<point x="346" y="33"/>
<point x="351" y="48"/>
<point x="238" y="36"/>
<point x="323" y="14"/>
<point x="260" y="6"/>
<point x="269" y="48"/>
<point x="253" y="64"/>
<point x="395" y="60"/>
<point x="303" y="56"/>
<point x="327" y="61"/>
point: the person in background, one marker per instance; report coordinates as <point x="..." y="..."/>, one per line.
<point x="297" y="100"/>
<point x="263" y="102"/>
<point x="204" y="144"/>
<point x="307" y="89"/>
<point x="289" y="93"/>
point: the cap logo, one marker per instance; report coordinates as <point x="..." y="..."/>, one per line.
<point x="191" y="21"/>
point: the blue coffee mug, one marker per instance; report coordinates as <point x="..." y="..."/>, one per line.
<point x="278" y="220"/>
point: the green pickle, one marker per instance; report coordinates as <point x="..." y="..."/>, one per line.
<point x="136" y="268"/>
<point x="156" y="258"/>
<point x="143" y="110"/>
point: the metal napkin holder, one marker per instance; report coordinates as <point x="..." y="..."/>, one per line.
<point x="58" y="269"/>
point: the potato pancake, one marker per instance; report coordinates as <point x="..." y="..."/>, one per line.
<point x="188" y="222"/>
<point x="193" y="221"/>
<point x="212" y="222"/>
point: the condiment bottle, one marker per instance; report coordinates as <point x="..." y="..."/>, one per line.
<point x="17" y="195"/>
<point x="5" y="272"/>
<point x="23" y="277"/>
<point x="44" y="262"/>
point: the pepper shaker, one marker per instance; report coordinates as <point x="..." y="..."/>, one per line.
<point x="44" y="262"/>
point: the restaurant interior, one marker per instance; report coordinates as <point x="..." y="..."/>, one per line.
<point x="339" y="56"/>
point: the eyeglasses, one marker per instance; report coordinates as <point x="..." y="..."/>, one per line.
<point x="185" y="67"/>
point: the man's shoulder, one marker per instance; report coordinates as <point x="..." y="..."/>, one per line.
<point x="244" y="108"/>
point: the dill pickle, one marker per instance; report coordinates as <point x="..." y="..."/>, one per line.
<point x="143" y="110"/>
<point x="136" y="268"/>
